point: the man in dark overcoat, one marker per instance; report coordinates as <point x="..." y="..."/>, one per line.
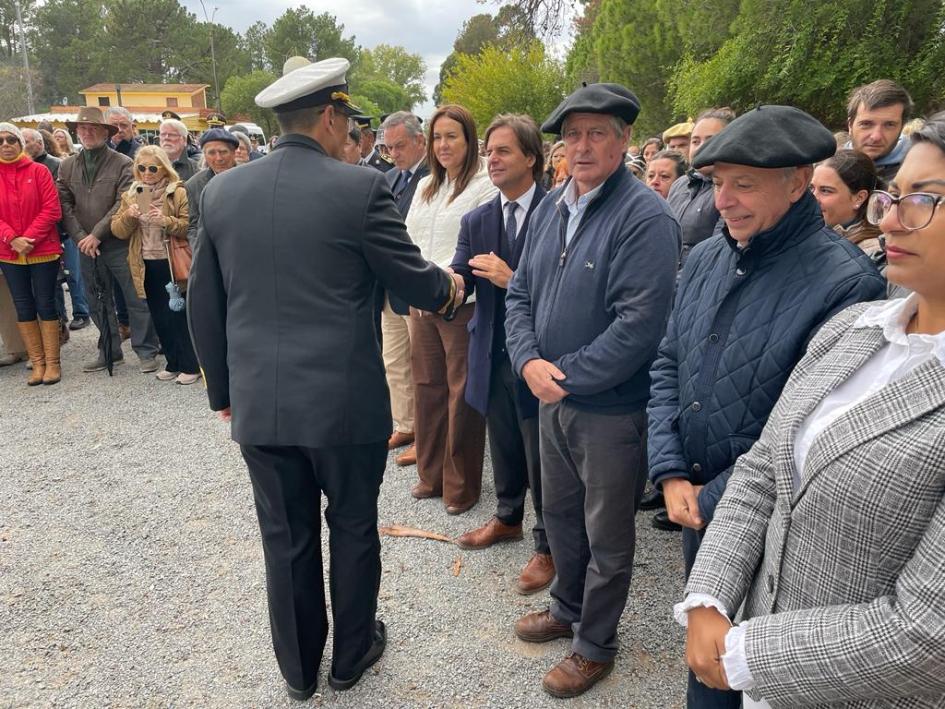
<point x="289" y="253"/>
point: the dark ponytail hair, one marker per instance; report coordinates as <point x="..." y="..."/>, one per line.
<point x="858" y="173"/>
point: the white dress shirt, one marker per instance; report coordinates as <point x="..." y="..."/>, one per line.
<point x="900" y="355"/>
<point x="523" y="204"/>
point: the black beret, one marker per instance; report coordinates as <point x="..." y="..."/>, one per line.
<point x="609" y="99"/>
<point x="770" y="137"/>
<point x="224" y="136"/>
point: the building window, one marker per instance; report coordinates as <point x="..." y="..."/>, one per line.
<point x="172" y="103"/>
<point x="104" y="101"/>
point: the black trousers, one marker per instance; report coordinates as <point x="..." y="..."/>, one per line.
<point x="171" y="327"/>
<point x="513" y="446"/>
<point x="593" y="469"/>
<point x="698" y="696"/>
<point x="33" y="287"/>
<point x="287" y="484"/>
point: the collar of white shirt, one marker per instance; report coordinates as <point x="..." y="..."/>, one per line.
<point x="893" y="316"/>
<point x="523" y="202"/>
<point x="576" y="203"/>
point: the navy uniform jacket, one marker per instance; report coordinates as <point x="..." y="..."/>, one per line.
<point x="375" y="160"/>
<point x="483" y="230"/>
<point x="281" y="296"/>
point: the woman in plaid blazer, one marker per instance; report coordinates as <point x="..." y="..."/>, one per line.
<point x="832" y="528"/>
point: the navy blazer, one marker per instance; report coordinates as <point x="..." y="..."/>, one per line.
<point x="480" y="232"/>
<point x="403" y="201"/>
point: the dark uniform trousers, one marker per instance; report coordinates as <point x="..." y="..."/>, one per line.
<point x="514" y="449"/>
<point x="593" y="470"/>
<point x="287" y="484"/>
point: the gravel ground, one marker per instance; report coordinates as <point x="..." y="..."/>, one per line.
<point x="131" y="571"/>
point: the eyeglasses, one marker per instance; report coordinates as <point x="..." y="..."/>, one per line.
<point x="10" y="140"/>
<point x="915" y="210"/>
<point x="150" y="168"/>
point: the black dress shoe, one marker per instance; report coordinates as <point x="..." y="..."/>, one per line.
<point x="652" y="500"/>
<point x="79" y="323"/>
<point x="372" y="656"/>
<point x="301" y="694"/>
<point x="662" y="521"/>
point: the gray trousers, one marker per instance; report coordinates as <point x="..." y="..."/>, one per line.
<point x="593" y="470"/>
<point x="112" y="267"/>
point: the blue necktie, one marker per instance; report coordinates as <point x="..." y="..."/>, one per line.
<point x="511" y="226"/>
<point x="402" y="183"/>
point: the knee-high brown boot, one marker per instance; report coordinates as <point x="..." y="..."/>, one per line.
<point x="50" y="332"/>
<point x="33" y="339"/>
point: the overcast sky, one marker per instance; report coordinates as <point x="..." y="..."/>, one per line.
<point x="424" y="27"/>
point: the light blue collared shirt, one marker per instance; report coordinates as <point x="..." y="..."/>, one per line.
<point x="576" y="207"/>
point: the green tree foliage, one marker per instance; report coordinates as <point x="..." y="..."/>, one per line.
<point x="239" y="96"/>
<point x="68" y="37"/>
<point x="811" y="55"/>
<point x="9" y="31"/>
<point x="396" y="66"/>
<point x="300" y="32"/>
<point x="518" y="80"/>
<point x="13" y="97"/>
<point x="508" y="29"/>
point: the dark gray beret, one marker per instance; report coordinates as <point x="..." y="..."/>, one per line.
<point x="224" y="136"/>
<point x="609" y="99"/>
<point x="770" y="137"/>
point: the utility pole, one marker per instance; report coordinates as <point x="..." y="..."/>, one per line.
<point x="26" y="61"/>
<point x="213" y="55"/>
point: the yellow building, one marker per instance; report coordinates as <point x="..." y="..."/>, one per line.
<point x="154" y="97"/>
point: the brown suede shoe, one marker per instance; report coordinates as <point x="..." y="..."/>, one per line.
<point x="490" y="533"/>
<point x="422" y="492"/>
<point x="541" y="627"/>
<point x="408" y="457"/>
<point x="575" y="675"/>
<point x="537" y="575"/>
<point x="399" y="440"/>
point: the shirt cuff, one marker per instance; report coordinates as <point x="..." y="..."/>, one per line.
<point x="735" y="661"/>
<point x="696" y="600"/>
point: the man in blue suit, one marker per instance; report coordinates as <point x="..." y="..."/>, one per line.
<point x="407" y="145"/>
<point x="490" y="244"/>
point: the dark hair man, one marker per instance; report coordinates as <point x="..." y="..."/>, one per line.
<point x="748" y="302"/>
<point x="876" y="113"/>
<point x="491" y="240"/>
<point x="584" y="318"/>
<point x="281" y="306"/>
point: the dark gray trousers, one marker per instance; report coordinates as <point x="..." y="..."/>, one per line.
<point x="112" y="267"/>
<point x="513" y="447"/>
<point x="593" y="470"/>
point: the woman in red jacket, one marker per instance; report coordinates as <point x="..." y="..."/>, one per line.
<point x="30" y="250"/>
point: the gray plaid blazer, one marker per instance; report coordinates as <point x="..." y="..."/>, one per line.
<point x="843" y="578"/>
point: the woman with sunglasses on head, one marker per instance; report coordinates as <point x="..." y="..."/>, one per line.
<point x="157" y="231"/>
<point x="832" y="527"/>
<point x="842" y="186"/>
<point x="30" y="251"/>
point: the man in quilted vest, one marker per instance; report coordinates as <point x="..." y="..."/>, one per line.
<point x="749" y="300"/>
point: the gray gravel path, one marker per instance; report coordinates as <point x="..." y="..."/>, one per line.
<point x="131" y="571"/>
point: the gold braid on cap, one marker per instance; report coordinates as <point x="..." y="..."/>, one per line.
<point x="340" y="96"/>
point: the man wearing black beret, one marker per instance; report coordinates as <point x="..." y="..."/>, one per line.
<point x="749" y="300"/>
<point x="219" y="150"/>
<point x="585" y="312"/>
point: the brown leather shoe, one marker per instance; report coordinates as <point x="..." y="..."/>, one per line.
<point x="460" y="509"/>
<point x="422" y="492"/>
<point x="490" y="533"/>
<point x="574" y="675"/>
<point x="399" y="440"/>
<point x="124" y="331"/>
<point x="408" y="457"/>
<point x="541" y="627"/>
<point x="537" y="575"/>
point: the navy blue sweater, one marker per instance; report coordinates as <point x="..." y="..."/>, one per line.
<point x="741" y="322"/>
<point x="598" y="307"/>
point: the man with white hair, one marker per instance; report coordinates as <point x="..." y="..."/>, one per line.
<point x="124" y="141"/>
<point x="173" y="140"/>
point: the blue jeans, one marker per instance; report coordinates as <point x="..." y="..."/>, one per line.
<point x="70" y="258"/>
<point x="33" y="289"/>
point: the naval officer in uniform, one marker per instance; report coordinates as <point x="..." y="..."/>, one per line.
<point x="281" y="308"/>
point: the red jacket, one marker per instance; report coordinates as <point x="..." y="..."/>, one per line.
<point x="29" y="206"/>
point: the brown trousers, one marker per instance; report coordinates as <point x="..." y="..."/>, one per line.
<point x="450" y="434"/>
